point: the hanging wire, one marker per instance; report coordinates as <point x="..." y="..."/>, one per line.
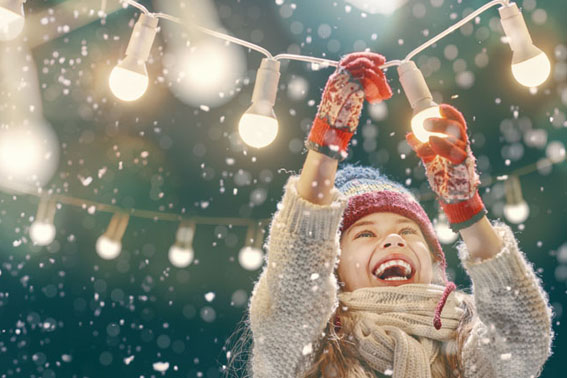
<point x="173" y="217"/>
<point x="154" y="215"/>
<point x="135" y="4"/>
<point x="451" y="29"/>
<point x="310" y="59"/>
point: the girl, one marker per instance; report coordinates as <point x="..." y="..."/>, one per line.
<point x="355" y="285"/>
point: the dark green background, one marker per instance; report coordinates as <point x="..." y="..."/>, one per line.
<point x="68" y="285"/>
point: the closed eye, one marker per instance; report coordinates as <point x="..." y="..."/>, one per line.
<point x="364" y="234"/>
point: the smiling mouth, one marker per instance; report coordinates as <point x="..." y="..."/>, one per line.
<point x="394" y="270"/>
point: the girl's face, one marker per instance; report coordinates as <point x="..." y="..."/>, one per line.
<point x="384" y="249"/>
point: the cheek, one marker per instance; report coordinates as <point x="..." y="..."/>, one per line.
<point x="351" y="261"/>
<point x="424" y="256"/>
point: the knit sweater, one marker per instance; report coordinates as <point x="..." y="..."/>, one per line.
<point x="296" y="295"/>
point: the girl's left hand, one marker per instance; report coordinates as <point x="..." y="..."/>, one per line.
<point x="450" y="167"/>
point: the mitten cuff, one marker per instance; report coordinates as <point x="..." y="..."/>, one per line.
<point x="465" y="213"/>
<point x="328" y="140"/>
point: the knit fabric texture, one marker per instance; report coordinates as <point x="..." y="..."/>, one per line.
<point x="393" y="329"/>
<point x="368" y="191"/>
<point x="297" y="295"/>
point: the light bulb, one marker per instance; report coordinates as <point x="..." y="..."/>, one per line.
<point x="128" y="84"/>
<point x="250" y="258"/>
<point x="129" y="79"/>
<point x="533" y="71"/>
<point x="444" y="232"/>
<point x="180" y="257"/>
<point x="109" y="244"/>
<point x="257" y="130"/>
<point x="258" y="126"/>
<point x="204" y="73"/>
<point x="42" y="233"/>
<point x="29" y="154"/>
<point x="530" y="66"/>
<point x="418" y="119"/>
<point x="181" y="253"/>
<point x="11" y="19"/>
<point x="42" y="230"/>
<point x="420" y="99"/>
<point x="517" y="213"/>
<point x="516" y="209"/>
<point x="107" y="248"/>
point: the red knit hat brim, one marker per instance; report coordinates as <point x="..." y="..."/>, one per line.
<point x="393" y="202"/>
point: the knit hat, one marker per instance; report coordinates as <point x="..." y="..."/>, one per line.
<point x="369" y="192"/>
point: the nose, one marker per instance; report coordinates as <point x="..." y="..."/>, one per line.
<point x="393" y="240"/>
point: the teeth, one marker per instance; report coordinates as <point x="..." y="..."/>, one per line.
<point x="390" y="263"/>
<point x="395" y="279"/>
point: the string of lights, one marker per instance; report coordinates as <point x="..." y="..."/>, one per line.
<point x="42" y="230"/>
<point x="258" y="126"/>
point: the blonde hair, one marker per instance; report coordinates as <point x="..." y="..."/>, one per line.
<point x="338" y="356"/>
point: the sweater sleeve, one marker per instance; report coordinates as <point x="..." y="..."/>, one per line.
<point x="512" y="335"/>
<point x="296" y="293"/>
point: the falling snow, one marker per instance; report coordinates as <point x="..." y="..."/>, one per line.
<point x="148" y="298"/>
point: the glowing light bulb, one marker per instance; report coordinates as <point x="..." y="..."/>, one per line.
<point x="517" y="213"/>
<point x="128" y="84"/>
<point x="107" y="248"/>
<point x="29" y="154"/>
<point x="12" y="19"/>
<point x="250" y="258"/>
<point x="109" y="244"/>
<point x="181" y="253"/>
<point x="530" y="65"/>
<point x="516" y="209"/>
<point x="418" y="119"/>
<point x="257" y="130"/>
<point x="420" y="99"/>
<point x="180" y="257"/>
<point x="533" y="71"/>
<point x="443" y="231"/>
<point x="42" y="233"/>
<point x="128" y="81"/>
<point x="42" y="230"/>
<point x="258" y="126"/>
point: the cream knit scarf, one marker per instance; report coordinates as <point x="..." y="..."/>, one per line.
<point x="393" y="326"/>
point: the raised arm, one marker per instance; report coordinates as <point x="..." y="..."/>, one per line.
<point x="358" y="77"/>
<point x="297" y="291"/>
<point x="451" y="170"/>
<point x="317" y="178"/>
<point x="511" y="335"/>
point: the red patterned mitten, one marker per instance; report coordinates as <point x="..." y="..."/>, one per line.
<point x="358" y="76"/>
<point x="450" y="168"/>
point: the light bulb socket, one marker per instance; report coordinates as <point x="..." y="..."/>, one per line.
<point x="142" y="38"/>
<point x="513" y="191"/>
<point x="263" y="108"/>
<point x="46" y="210"/>
<point x="267" y="79"/>
<point x="415" y="87"/>
<point x="255" y="235"/>
<point x="117" y="227"/>
<point x="516" y="30"/>
<point x="185" y="233"/>
<point x="15" y="6"/>
<point x="259" y="237"/>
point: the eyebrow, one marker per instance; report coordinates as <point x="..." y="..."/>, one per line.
<point x="365" y="223"/>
